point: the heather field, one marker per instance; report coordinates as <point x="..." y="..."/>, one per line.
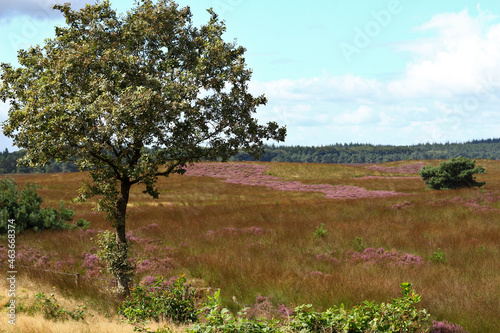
<point x="283" y="234"/>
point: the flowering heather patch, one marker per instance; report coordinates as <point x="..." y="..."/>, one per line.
<point x="380" y="256"/>
<point x="327" y="257"/>
<point x="234" y="231"/>
<point x="446" y="327"/>
<point x="409" y="168"/>
<point x="148" y="280"/>
<point x="30" y="256"/>
<point x="143" y="265"/>
<point x="147" y="244"/>
<point x="285" y="312"/>
<point x="263" y="308"/>
<point x="252" y="174"/>
<point x="155" y="265"/>
<point x="153" y="227"/>
<point x="402" y="205"/>
<point x="371" y="255"/>
<point x="92" y="264"/>
<point x="64" y="265"/>
<point x="473" y="203"/>
<point x="318" y="274"/>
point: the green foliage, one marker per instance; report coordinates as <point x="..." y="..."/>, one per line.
<point x="438" y="257"/>
<point x="399" y="316"/>
<point x="50" y="309"/>
<point x="24" y="208"/>
<point x="358" y="244"/>
<point x="115" y="255"/>
<point x="161" y="301"/>
<point x="82" y="223"/>
<point x="320" y="231"/>
<point x="455" y="173"/>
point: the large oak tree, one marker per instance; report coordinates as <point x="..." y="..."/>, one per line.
<point x="131" y="97"/>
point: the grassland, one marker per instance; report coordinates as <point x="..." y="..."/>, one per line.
<point x="255" y="240"/>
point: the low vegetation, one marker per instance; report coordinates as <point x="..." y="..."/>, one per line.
<point x="272" y="250"/>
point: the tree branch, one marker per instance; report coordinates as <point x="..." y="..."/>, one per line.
<point x="110" y="163"/>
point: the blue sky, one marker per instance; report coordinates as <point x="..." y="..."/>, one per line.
<point x="382" y="72"/>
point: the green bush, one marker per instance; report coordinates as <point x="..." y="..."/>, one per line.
<point x="438" y="257"/>
<point x="24" y="208"/>
<point x="399" y="316"/>
<point x="161" y="301"/>
<point x="321" y="232"/>
<point x="454" y="173"/>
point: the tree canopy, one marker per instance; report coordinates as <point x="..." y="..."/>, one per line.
<point x="131" y="97"/>
<point x="456" y="173"/>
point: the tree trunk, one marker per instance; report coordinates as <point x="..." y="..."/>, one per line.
<point x="121" y="240"/>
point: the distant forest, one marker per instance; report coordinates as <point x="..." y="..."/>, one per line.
<point x="337" y="153"/>
<point x="367" y="153"/>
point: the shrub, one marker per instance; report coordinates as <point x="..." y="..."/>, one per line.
<point x="50" y="309"/>
<point x="438" y="257"/>
<point x="358" y="244"/>
<point x="320" y="231"/>
<point x="24" y="208"/>
<point x="454" y="173"/>
<point x="161" y="300"/>
<point x="400" y="316"/>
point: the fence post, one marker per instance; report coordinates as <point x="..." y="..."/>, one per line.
<point x="77" y="278"/>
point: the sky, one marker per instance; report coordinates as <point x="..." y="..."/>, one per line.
<point x="391" y="72"/>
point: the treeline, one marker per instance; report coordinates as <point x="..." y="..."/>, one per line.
<point x="337" y="153"/>
<point x="8" y="164"/>
<point x="367" y="153"/>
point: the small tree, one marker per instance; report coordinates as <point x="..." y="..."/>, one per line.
<point x="24" y="208"/>
<point x="130" y="98"/>
<point x="455" y="173"/>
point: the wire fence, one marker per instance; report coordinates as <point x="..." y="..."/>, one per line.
<point x="78" y="278"/>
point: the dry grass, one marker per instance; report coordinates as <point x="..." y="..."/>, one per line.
<point x="96" y="320"/>
<point x="206" y="225"/>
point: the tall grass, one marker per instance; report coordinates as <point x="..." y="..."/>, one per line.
<point x="251" y="240"/>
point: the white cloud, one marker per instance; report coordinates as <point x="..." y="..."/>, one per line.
<point x="363" y="115"/>
<point x="464" y="50"/>
<point x="337" y="88"/>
